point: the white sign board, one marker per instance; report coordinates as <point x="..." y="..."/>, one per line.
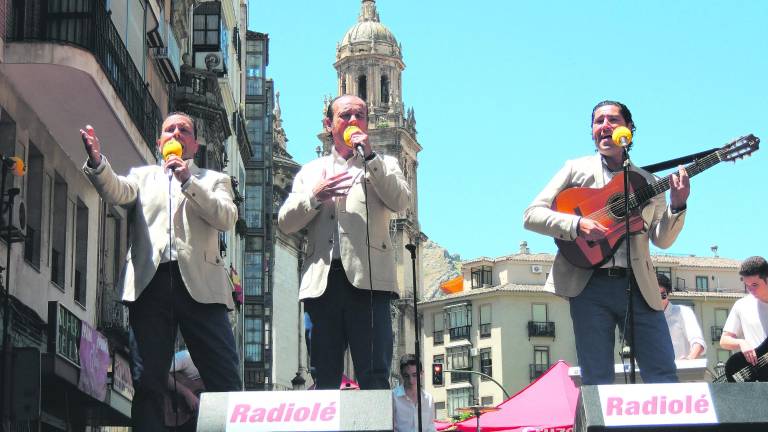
<point x="657" y="404"/>
<point x="283" y="411"/>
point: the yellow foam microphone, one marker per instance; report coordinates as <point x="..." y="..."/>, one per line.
<point x="348" y="132"/>
<point x="622" y="136"/>
<point x="172" y="147"/>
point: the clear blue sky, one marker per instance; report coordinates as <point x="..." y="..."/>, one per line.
<point x="503" y="91"/>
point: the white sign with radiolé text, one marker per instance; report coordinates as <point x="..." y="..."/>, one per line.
<point x="284" y="411"/>
<point x="657" y="404"/>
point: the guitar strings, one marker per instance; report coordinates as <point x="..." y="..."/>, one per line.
<point x="653" y="189"/>
<point x="745" y="373"/>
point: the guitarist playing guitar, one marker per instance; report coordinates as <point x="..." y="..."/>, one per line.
<point x="598" y="295"/>
<point x="746" y="328"/>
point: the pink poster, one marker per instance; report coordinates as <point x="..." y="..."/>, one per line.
<point x="94" y="362"/>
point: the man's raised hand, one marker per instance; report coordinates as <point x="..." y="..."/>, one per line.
<point x="92" y="146"/>
<point x="335" y="186"/>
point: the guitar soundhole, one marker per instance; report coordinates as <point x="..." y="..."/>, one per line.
<point x="616" y="206"/>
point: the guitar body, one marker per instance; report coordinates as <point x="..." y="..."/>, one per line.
<point x="737" y="369"/>
<point x="605" y="205"/>
<point x="184" y="413"/>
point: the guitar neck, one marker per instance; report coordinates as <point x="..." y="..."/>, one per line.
<point x="645" y="193"/>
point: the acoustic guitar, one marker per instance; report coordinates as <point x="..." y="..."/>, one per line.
<point x="737" y="369"/>
<point x="606" y="204"/>
<point x="184" y="412"/>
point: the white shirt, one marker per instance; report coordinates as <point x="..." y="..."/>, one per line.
<point x="169" y="253"/>
<point x="404" y="412"/>
<point x="684" y="329"/>
<point x="748" y="320"/>
<point x="339" y="165"/>
<point x="619" y="258"/>
<point x="183" y="363"/>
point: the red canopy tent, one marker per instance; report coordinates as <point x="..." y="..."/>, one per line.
<point x="547" y="404"/>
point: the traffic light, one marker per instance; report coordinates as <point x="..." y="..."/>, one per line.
<point x="437" y="374"/>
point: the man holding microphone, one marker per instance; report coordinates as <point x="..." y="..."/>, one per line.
<point x="345" y="201"/>
<point x="598" y="296"/>
<point x="173" y="277"/>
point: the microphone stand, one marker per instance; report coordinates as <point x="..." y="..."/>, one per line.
<point x="368" y="245"/>
<point x="630" y="303"/>
<point x="5" y="387"/>
<point x="412" y="249"/>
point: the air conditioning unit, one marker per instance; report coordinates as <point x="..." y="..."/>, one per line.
<point x="165" y="63"/>
<point x="18" y="218"/>
<point x="536" y="268"/>
<point x="210" y="61"/>
<point x="474" y="352"/>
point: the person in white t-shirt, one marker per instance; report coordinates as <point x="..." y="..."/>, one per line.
<point x="185" y="381"/>
<point x="747" y="323"/>
<point x="687" y="339"/>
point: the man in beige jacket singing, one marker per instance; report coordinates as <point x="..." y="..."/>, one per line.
<point x="347" y="301"/>
<point x="173" y="275"/>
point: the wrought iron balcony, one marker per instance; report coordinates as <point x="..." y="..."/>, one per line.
<point x="485" y="330"/>
<point x="716" y="331"/>
<point x="537" y="370"/>
<point x="86" y="24"/>
<point x="541" y="328"/>
<point x="457" y="377"/>
<point x="243" y="143"/>
<point x="199" y="95"/>
<point x="114" y="314"/>
<point x="438" y="337"/>
<point x="457" y="333"/>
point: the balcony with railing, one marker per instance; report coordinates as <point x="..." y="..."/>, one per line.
<point x="457" y="333"/>
<point x="716" y="332"/>
<point x="199" y="95"/>
<point x="536" y="370"/>
<point x="485" y="330"/>
<point x="85" y="24"/>
<point x="113" y="319"/>
<point x="458" y="377"/>
<point x="541" y="329"/>
<point x="438" y="337"/>
<point x="243" y="143"/>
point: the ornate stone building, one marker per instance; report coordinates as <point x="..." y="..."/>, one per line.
<point x="369" y="63"/>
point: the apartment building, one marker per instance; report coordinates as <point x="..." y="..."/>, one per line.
<point x="502" y="323"/>
<point x="120" y="66"/>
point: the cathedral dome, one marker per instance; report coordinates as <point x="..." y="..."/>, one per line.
<point x="368" y="29"/>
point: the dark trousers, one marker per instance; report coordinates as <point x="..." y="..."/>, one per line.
<point x="597" y="311"/>
<point x="341" y="317"/>
<point x="154" y="318"/>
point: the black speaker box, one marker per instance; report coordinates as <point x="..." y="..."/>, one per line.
<point x="739" y="407"/>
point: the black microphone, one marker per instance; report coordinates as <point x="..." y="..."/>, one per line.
<point x="360" y="150"/>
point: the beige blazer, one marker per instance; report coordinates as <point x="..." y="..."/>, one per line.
<point x="388" y="192"/>
<point x="661" y="227"/>
<point x="204" y="208"/>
